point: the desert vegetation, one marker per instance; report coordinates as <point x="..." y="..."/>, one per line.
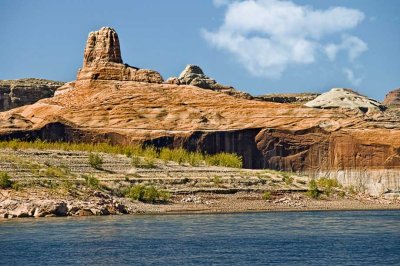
<point x="149" y="194"/>
<point x="149" y="153"/>
<point x="5" y="180"/>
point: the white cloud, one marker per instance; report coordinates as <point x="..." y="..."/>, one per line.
<point x="268" y="36"/>
<point x="352" y="78"/>
<point x="353" y="45"/>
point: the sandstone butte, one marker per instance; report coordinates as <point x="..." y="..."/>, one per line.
<point x="113" y="102"/>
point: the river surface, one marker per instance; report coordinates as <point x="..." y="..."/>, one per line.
<point x="281" y="238"/>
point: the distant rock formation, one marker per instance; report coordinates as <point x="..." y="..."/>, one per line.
<point x="392" y="98"/>
<point x="19" y="92"/>
<point x="194" y="76"/>
<point x="288" y="97"/>
<point x="103" y="61"/>
<point x="345" y="98"/>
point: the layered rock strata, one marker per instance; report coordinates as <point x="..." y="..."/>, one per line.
<point x="288" y="137"/>
<point x="19" y="92"/>
<point x="392" y="99"/>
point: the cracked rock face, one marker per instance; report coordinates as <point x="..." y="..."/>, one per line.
<point x="194" y="76"/>
<point x="102" y="46"/>
<point x="20" y="92"/>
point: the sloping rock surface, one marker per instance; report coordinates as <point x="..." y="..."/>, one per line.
<point x="393" y="98"/>
<point x="345" y="98"/>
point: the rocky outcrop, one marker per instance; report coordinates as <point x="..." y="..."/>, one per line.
<point x="10" y="208"/>
<point x="299" y="98"/>
<point x="19" y="92"/>
<point x="194" y="76"/>
<point x="103" y="61"/>
<point x="345" y="130"/>
<point x="392" y="98"/>
<point x="345" y="98"/>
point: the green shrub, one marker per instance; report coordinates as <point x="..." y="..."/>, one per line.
<point x="136" y="161"/>
<point x="313" y="191"/>
<point x="53" y="171"/>
<point x="16" y="186"/>
<point x="150" y="153"/>
<point x="146" y="194"/>
<point x="287" y="179"/>
<point x="149" y="163"/>
<point x="266" y="195"/>
<point x="225" y="159"/>
<point x="217" y="180"/>
<point x="95" y="161"/>
<point x="181" y="156"/>
<point x="328" y="184"/>
<point x="91" y="181"/>
<point x="5" y="180"/>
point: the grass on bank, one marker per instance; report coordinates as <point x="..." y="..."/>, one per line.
<point x="149" y="194"/>
<point x="149" y="153"/>
<point x="5" y="180"/>
<point x="326" y="186"/>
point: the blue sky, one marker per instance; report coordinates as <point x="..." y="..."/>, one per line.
<point x="264" y="46"/>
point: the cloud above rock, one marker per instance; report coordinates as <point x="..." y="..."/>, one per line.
<point x="268" y="36"/>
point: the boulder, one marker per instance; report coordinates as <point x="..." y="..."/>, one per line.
<point x="85" y="212"/>
<point x="103" y="61"/>
<point x="194" y="76"/>
<point x="345" y="98"/>
<point x="49" y="207"/>
<point x="392" y="98"/>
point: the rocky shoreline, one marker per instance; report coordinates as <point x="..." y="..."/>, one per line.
<point x="15" y="205"/>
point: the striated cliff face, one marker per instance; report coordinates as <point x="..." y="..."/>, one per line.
<point x="393" y="98"/>
<point x="114" y="107"/>
<point x="19" y="92"/>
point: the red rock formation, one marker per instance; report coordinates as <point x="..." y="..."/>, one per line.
<point x="393" y="98"/>
<point x="102" y="46"/>
<point x="288" y="137"/>
<point x="102" y="60"/>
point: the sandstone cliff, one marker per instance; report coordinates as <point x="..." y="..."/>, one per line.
<point x="393" y="98"/>
<point x="106" y="104"/>
<point x="16" y="93"/>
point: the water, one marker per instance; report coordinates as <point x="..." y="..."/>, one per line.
<point x="283" y="238"/>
